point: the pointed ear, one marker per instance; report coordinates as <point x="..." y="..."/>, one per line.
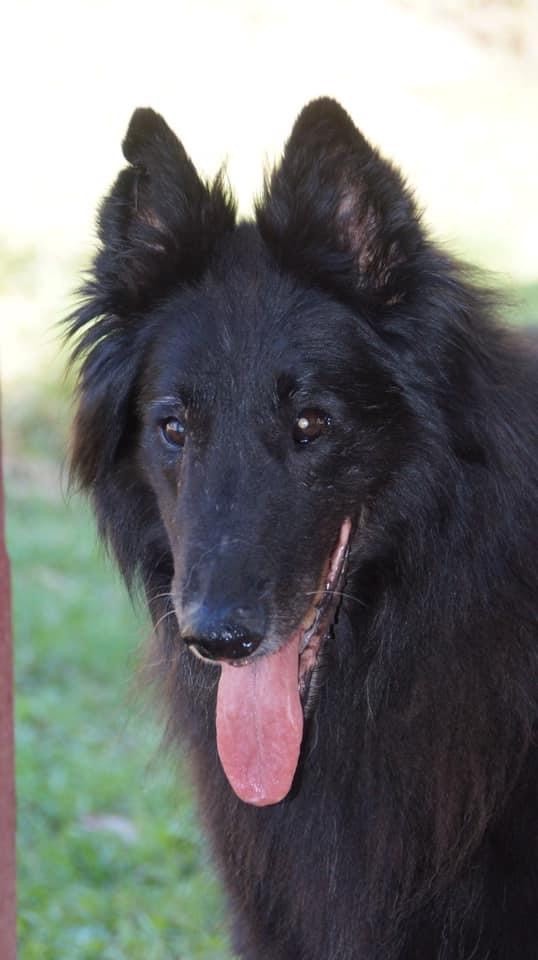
<point x="157" y="227"/>
<point x="335" y="212"/>
<point x="159" y="223"/>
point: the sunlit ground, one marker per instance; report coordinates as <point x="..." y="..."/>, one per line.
<point x="450" y="92"/>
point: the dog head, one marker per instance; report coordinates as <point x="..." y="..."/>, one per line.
<point x="243" y="398"/>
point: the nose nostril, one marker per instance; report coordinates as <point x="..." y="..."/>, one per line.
<point x="226" y="643"/>
<point x="201" y="648"/>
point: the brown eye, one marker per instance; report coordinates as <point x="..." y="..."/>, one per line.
<point x="173" y="431"/>
<point x="309" y="425"/>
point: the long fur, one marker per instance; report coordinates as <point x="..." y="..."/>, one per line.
<point x="411" y="830"/>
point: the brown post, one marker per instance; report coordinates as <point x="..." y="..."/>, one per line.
<point x="7" y="778"/>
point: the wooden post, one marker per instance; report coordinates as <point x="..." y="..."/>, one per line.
<point x="7" y="777"/>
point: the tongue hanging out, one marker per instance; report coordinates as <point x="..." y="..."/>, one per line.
<point x="259" y="710"/>
<point x="260" y="724"/>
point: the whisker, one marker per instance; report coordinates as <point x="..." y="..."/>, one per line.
<point x="168" y="613"/>
<point x="337" y="593"/>
<point x="164" y="661"/>
<point x="161" y="596"/>
<point x="348" y="596"/>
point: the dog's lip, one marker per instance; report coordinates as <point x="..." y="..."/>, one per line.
<point x="322" y="614"/>
<point x="327" y="595"/>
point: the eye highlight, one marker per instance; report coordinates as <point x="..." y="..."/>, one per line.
<point x="173" y="431"/>
<point x="309" y="425"/>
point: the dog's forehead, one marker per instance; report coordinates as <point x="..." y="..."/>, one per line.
<point x="249" y="318"/>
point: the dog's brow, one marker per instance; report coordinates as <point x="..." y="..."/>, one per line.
<point x="162" y="401"/>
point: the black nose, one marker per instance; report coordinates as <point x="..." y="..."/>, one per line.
<point x="232" y="637"/>
<point x="228" y="642"/>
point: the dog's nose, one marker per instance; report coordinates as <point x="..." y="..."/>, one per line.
<point x="232" y="637"/>
<point x="228" y="642"/>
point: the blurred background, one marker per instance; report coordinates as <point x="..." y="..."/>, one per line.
<point x="111" y="864"/>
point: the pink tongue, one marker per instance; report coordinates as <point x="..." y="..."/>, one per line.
<point x="260" y="724"/>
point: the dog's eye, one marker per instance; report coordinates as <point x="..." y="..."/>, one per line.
<point x="173" y="431"/>
<point x="309" y="425"/>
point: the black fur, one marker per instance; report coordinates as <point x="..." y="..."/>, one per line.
<point x="411" y="831"/>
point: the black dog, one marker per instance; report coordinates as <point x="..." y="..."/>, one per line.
<point x="314" y="445"/>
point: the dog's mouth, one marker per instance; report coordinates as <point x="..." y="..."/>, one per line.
<point x="261" y="702"/>
<point x="319" y="620"/>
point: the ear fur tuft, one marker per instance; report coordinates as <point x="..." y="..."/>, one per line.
<point x="158" y="228"/>
<point x="335" y="211"/>
<point x="159" y="223"/>
<point x="146" y="126"/>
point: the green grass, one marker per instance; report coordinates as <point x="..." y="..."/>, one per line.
<point x="85" y="752"/>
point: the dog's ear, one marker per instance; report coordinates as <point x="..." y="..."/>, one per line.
<point x="335" y="212"/>
<point x="157" y="228"/>
<point x="159" y="222"/>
